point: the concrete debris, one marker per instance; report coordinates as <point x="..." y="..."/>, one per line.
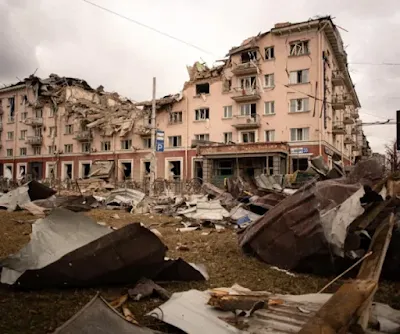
<point x="124" y="197"/>
<point x="146" y="288"/>
<point x="101" y="169"/>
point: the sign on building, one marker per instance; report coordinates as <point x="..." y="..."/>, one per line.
<point x="299" y="150"/>
<point x="160" y="141"/>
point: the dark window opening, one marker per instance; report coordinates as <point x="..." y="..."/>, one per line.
<point x="175" y="169"/>
<point x="203" y="88"/>
<point x="198" y="170"/>
<point x="300" y="164"/>
<point x="85" y="170"/>
<point x="225" y="168"/>
<point x="270" y="166"/>
<point x="147" y="166"/>
<point x="68" y="170"/>
<point x="249" y="55"/>
<point x="127" y="170"/>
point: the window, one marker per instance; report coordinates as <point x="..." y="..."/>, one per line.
<point x="175" y="141"/>
<point x="126" y="144"/>
<point x="249" y="55"/>
<point x="269" y="80"/>
<point x="299" y="48"/>
<point x="51" y="112"/>
<point x="24" y="99"/>
<point x="299" y="105"/>
<point x="68" y="148"/>
<point x="228" y="112"/>
<point x="24" y="116"/>
<point x="86" y="147"/>
<point x="269" y="53"/>
<point x="269" y="135"/>
<point x="202" y="114"/>
<point x="9" y="152"/>
<point x="52" y="149"/>
<point x="248" y="109"/>
<point x="248" y="137"/>
<point x="298" y="77"/>
<point x="38" y="132"/>
<point x="53" y="131"/>
<point x="11" y="104"/>
<point x="269" y="108"/>
<point x="226" y="85"/>
<point x="227" y="137"/>
<point x="147" y="142"/>
<point x="202" y="136"/>
<point x="10" y="135"/>
<point x="22" y="151"/>
<point x="203" y="88"/>
<point x="224" y="167"/>
<point x="175" y="117"/>
<point x="37" y="150"/>
<point x="69" y="129"/>
<point x="299" y="134"/>
<point x="23" y="134"/>
<point x="39" y="113"/>
<point x="248" y="83"/>
<point x="106" y="146"/>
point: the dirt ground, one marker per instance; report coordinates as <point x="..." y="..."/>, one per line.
<point x="43" y="311"/>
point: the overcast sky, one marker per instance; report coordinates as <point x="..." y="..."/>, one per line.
<point x="74" y="38"/>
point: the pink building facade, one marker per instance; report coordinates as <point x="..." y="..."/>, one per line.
<point x="277" y="100"/>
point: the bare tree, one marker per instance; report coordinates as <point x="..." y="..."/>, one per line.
<point x="392" y="157"/>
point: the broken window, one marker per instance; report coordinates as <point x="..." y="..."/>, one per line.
<point x="53" y="131"/>
<point x="269" y="80"/>
<point x="228" y="112"/>
<point x="248" y="137"/>
<point x="175" y="117"/>
<point x="10" y="135"/>
<point x="202" y="114"/>
<point x="68" y="148"/>
<point x="300" y="164"/>
<point x="299" y="48"/>
<point x="22" y="151"/>
<point x="68" y="171"/>
<point x="86" y="147"/>
<point x="106" y="146"/>
<point x="248" y="56"/>
<point x="299" y="134"/>
<point x="269" y="53"/>
<point x="248" y="83"/>
<point x="299" y="105"/>
<point x="203" y="136"/>
<point x="23" y="134"/>
<point x="269" y="108"/>
<point x="298" y="77"/>
<point x="127" y="170"/>
<point x="38" y="132"/>
<point x="85" y="170"/>
<point x="227" y="137"/>
<point x="11" y="115"/>
<point x="38" y="113"/>
<point x="175" y="141"/>
<point x="175" y="170"/>
<point x="203" y="88"/>
<point x="69" y="129"/>
<point x="224" y="167"/>
<point x="24" y="116"/>
<point x="147" y="142"/>
<point x="226" y="85"/>
<point x="52" y="149"/>
<point x="37" y="150"/>
<point x="269" y="135"/>
<point x="126" y="144"/>
<point x="147" y="167"/>
<point x="248" y="109"/>
<point x="10" y="152"/>
<point x="270" y="165"/>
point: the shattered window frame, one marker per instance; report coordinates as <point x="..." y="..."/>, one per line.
<point x="38" y="113"/>
<point x="299" y="48"/>
<point x="126" y="144"/>
<point x="175" y="117"/>
<point x="86" y="147"/>
<point x="202" y="136"/>
<point x="52" y="149"/>
<point x="299" y="77"/>
<point x="37" y="150"/>
<point x="175" y="141"/>
<point x="69" y="129"/>
<point x="203" y="88"/>
<point x="68" y="148"/>
<point x="269" y="53"/>
<point x="22" y="151"/>
<point x="248" y="136"/>
<point x="11" y="104"/>
<point x="202" y="114"/>
<point x="227" y="137"/>
<point x="105" y="146"/>
<point x="248" y="56"/>
<point x="9" y="152"/>
<point x="147" y="143"/>
<point x="248" y="83"/>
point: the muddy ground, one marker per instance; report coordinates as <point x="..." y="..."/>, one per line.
<point x="43" y="311"/>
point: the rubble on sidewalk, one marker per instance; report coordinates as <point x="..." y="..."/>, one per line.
<point x="68" y="249"/>
<point x="124" y="197"/>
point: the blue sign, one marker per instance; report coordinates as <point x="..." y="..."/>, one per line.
<point x="159" y="141"/>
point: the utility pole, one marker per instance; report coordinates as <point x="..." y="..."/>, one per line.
<point x="153" y="162"/>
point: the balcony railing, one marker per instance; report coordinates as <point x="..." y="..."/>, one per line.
<point x="245" y="68"/>
<point x="348" y="140"/>
<point x="347" y="119"/>
<point x="246" y="121"/>
<point x="34" y="140"/>
<point x="34" y="121"/>
<point x="338" y="102"/>
<point x="84" y="136"/>
<point x="246" y="95"/>
<point x="337" y="78"/>
<point x="338" y="128"/>
<point x="347" y="99"/>
<point x="354" y="114"/>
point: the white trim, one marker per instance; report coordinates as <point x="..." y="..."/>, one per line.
<point x="8" y="165"/>
<point x="48" y="164"/>
<point x="142" y="168"/>
<point x="167" y="160"/>
<point x="120" y="171"/>
<point x="195" y="158"/>
<point x="243" y="131"/>
<point x="19" y="165"/>
<point x="64" y="171"/>
<point x="81" y="162"/>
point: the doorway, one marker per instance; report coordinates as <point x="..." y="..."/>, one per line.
<point x="68" y="171"/>
<point x="198" y="170"/>
<point x="126" y="170"/>
<point x="85" y="170"/>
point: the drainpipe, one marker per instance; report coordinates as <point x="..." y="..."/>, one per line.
<point x="319" y="76"/>
<point x="187" y="139"/>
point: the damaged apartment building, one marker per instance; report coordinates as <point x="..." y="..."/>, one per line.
<point x="277" y="100"/>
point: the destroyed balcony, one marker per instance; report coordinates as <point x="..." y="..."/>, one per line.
<point x="347" y="119"/>
<point x="338" y="128"/>
<point x="246" y="95"/>
<point x="337" y="78"/>
<point x="84" y="136"/>
<point x="34" y="121"/>
<point x="34" y="140"/>
<point x="246" y="122"/>
<point x="245" y="68"/>
<point x="143" y="130"/>
<point x="348" y="140"/>
<point x="338" y="102"/>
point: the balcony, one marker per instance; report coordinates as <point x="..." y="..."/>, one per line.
<point x="338" y="103"/>
<point x="355" y="131"/>
<point x="337" y="78"/>
<point x="347" y="99"/>
<point x="338" y="128"/>
<point x="143" y="130"/>
<point x="354" y="114"/>
<point x="34" y="121"/>
<point x="241" y="122"/>
<point x="347" y="119"/>
<point x="83" y="136"/>
<point x="348" y="140"/>
<point x="245" y="69"/>
<point x="34" y="140"/>
<point x="246" y="95"/>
